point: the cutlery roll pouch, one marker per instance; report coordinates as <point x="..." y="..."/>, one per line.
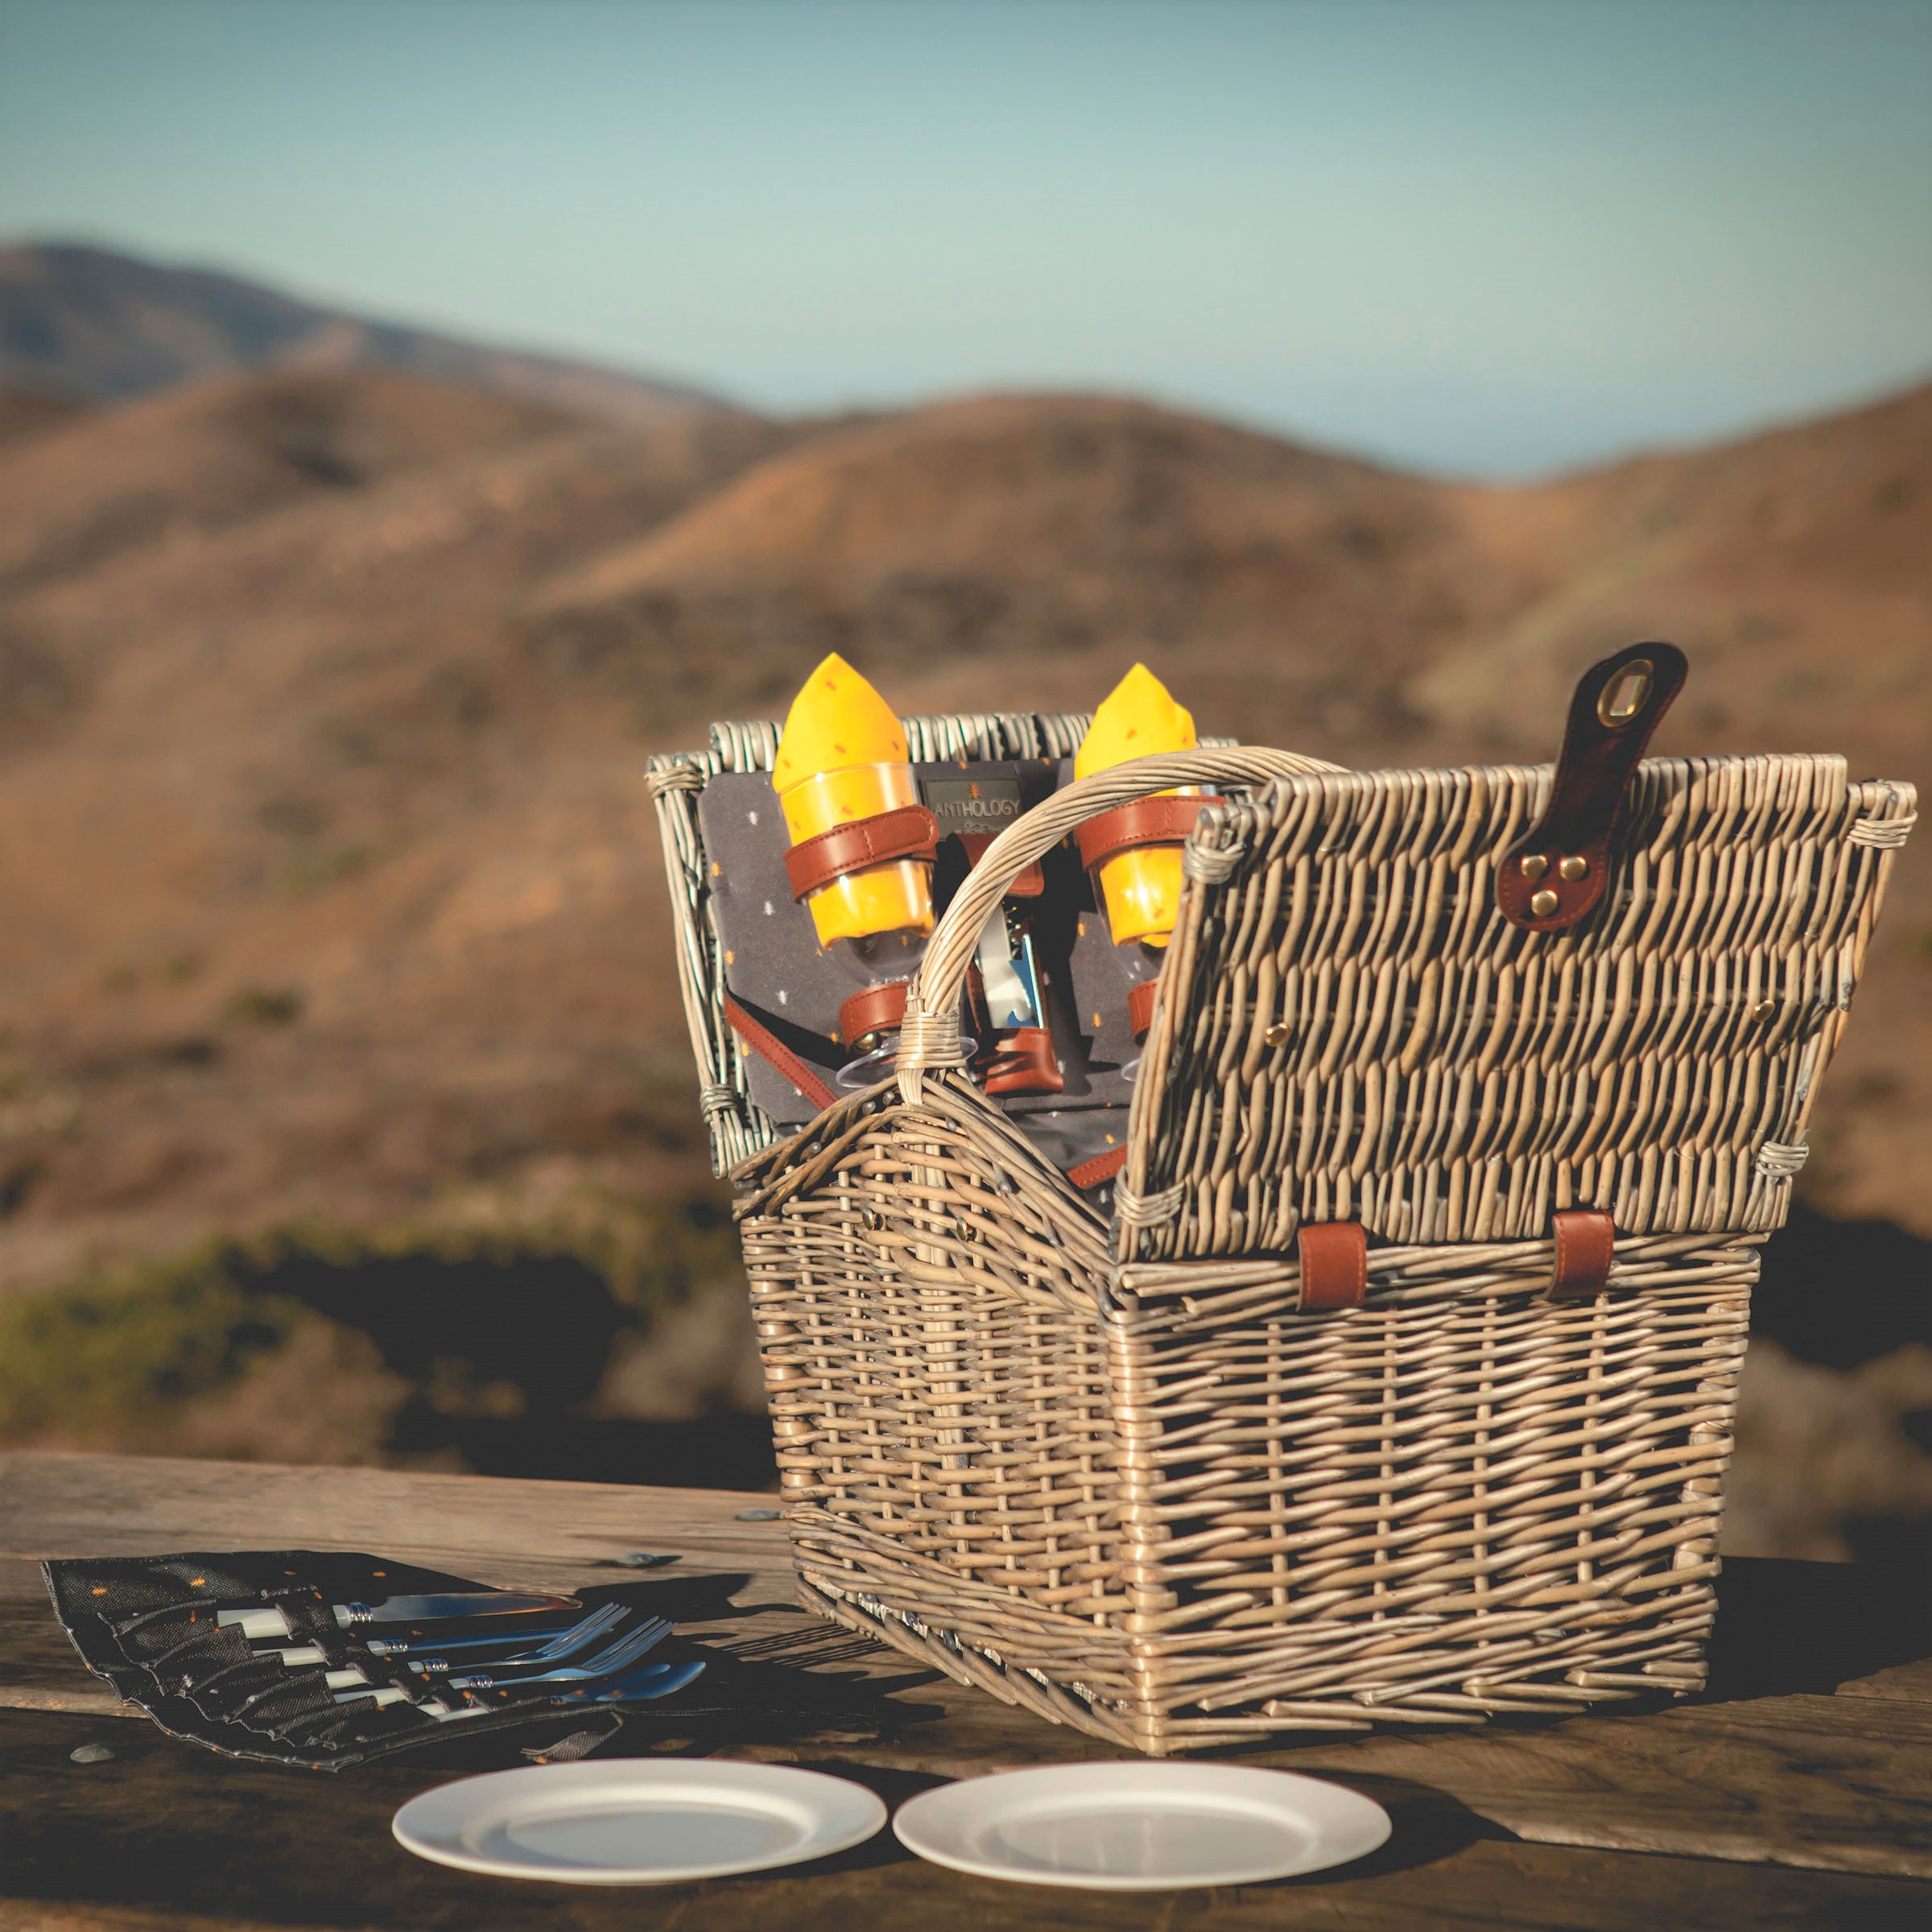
<point x="150" y="1627"/>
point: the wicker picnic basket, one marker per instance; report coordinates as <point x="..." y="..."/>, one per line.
<point x="1334" y="1408"/>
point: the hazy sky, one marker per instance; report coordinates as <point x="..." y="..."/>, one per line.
<point x="1475" y="235"/>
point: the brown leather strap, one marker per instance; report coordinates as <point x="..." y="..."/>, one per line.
<point x="907" y="832"/>
<point x="773" y="1051"/>
<point x="872" y="1010"/>
<point x="1334" y="1265"/>
<point x="1139" y="1008"/>
<point x="1155" y="821"/>
<point x="1102" y="1167"/>
<point x="1585" y="1241"/>
<point x="1030" y="883"/>
<point x="1555" y="873"/>
<point x="1023" y="1062"/>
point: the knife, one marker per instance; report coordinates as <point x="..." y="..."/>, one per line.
<point x="401" y="1610"/>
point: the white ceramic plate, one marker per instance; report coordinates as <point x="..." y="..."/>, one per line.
<point x="637" y="1822"/>
<point x="1141" y="1827"/>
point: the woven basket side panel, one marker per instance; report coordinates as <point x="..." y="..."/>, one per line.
<point x="739" y="1127"/>
<point x="939" y="1393"/>
<point x="1458" y="1499"/>
<point x="1350" y="1030"/>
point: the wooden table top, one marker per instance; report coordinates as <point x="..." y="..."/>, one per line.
<point x="1797" y="1792"/>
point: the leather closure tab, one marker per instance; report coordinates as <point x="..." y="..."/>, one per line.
<point x="1155" y="821"/>
<point x="1585" y="1241"/>
<point x="1334" y="1265"/>
<point x="1139" y="1008"/>
<point x="1554" y="875"/>
<point x="907" y="832"/>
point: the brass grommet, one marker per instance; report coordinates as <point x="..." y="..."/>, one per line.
<point x="1573" y="868"/>
<point x="1625" y="694"/>
<point x="873" y="1218"/>
<point x="1543" y="904"/>
<point x="1278" y="1035"/>
<point x="1532" y="865"/>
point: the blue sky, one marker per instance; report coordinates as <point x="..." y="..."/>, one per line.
<point x="1479" y="237"/>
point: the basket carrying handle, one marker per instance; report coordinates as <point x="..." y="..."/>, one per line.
<point x="929" y="1036"/>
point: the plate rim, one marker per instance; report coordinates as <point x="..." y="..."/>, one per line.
<point x="935" y="1800"/>
<point x="874" y="1814"/>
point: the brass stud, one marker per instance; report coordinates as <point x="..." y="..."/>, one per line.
<point x="1762" y="1010"/>
<point x="1543" y="904"/>
<point x="1532" y="865"/>
<point x="1573" y="868"/>
<point x="1278" y="1035"/>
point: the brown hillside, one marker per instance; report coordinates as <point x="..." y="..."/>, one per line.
<point x="26" y="412"/>
<point x="275" y="857"/>
<point x="331" y="884"/>
<point x="196" y="460"/>
<point x="1796" y="569"/>
<point x="1023" y="549"/>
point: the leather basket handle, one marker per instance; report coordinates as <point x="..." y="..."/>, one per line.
<point x="1554" y="875"/>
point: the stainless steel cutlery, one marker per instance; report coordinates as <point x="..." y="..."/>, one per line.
<point x="614" y="1658"/>
<point x="428" y="1654"/>
<point x="401" y="1610"/>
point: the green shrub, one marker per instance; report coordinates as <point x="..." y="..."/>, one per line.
<point x="78" y="1359"/>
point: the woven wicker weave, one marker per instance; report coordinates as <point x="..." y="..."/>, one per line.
<point x="1100" y="1464"/>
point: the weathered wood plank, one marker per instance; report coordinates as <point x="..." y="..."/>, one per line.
<point x="514" y="1533"/>
<point x="1805" y="1780"/>
<point x="1910" y="1683"/>
<point x="165" y="1839"/>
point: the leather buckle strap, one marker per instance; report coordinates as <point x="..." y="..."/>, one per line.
<point x="1157" y="821"/>
<point x="1585" y="1242"/>
<point x="872" y="1010"/>
<point x="1554" y="875"/>
<point x="1334" y="1265"/>
<point x="1102" y="1167"/>
<point x="907" y="832"/>
<point x="773" y="1051"/>
<point x="1139" y="1008"/>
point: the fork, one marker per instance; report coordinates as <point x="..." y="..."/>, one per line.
<point x="627" y="1650"/>
<point x="653" y="1680"/>
<point x="636" y="1686"/>
<point x="606" y="1662"/>
<point x="567" y="1643"/>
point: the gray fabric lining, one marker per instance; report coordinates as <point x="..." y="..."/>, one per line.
<point x="776" y="969"/>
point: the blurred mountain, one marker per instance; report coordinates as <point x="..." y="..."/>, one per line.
<point x="333" y="897"/>
<point x="329" y="874"/>
<point x="25" y="412"/>
<point x="95" y="325"/>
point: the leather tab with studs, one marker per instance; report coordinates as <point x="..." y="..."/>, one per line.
<point x="1557" y="872"/>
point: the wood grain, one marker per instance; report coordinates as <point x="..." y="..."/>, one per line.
<point x="166" y="1839"/>
<point x="1804" y="1780"/>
